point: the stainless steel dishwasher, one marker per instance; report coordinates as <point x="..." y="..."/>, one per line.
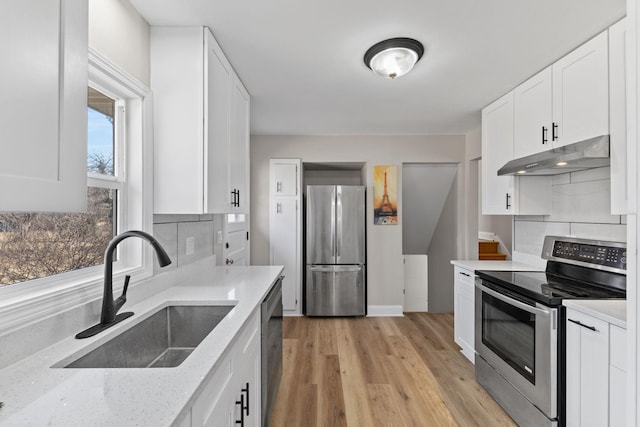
<point x="271" y="310"/>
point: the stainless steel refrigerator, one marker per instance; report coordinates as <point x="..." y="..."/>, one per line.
<point x="335" y="276"/>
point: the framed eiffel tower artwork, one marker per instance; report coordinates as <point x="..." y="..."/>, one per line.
<point x="385" y="195"/>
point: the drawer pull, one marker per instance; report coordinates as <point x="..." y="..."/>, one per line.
<point x="577" y="322"/>
<point x="465" y="274"/>
<point x="241" y="403"/>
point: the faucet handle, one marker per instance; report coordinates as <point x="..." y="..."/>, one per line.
<point x="126" y="286"/>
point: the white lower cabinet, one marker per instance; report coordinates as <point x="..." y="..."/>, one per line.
<point x="595" y="360"/>
<point x="463" y="317"/>
<point x="231" y="396"/>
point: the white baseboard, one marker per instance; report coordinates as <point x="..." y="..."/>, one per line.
<point x="384" y="311"/>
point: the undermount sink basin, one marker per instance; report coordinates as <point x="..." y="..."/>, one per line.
<point x="164" y="340"/>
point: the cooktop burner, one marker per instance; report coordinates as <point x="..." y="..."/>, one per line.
<point x="547" y="288"/>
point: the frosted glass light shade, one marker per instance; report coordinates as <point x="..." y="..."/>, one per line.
<point x="394" y="57"/>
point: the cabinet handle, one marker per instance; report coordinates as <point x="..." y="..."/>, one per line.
<point x="278" y="208"/>
<point x="577" y="322"/>
<point x="554" y="131"/>
<point x="235" y="198"/>
<point x="508" y="205"/>
<point x="278" y="187"/>
<point x="465" y="274"/>
<point x="246" y="391"/>
<point x="544" y="135"/>
<point x="241" y="403"/>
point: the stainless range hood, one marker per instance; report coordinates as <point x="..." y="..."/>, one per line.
<point x="588" y="154"/>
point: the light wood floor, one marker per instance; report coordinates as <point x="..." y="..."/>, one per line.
<point x="379" y="371"/>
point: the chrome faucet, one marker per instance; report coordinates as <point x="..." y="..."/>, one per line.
<point x="110" y="308"/>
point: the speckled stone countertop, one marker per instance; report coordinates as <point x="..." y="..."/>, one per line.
<point x="611" y="311"/>
<point x="494" y="265"/>
<point x="37" y="394"/>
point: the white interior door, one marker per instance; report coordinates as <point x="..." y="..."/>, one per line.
<point x="416" y="295"/>
<point x="236" y="239"/>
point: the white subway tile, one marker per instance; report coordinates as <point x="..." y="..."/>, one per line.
<point x="529" y="235"/>
<point x="591" y="175"/>
<point x="582" y="202"/>
<point x="167" y="235"/>
<point x="564" y="178"/>
<point x="202" y="235"/>
<point x="612" y="232"/>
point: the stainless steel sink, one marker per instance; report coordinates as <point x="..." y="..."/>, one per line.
<point x="164" y="340"/>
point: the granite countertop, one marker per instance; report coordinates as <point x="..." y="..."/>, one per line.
<point x="494" y="265"/>
<point x="611" y="311"/>
<point x="35" y="393"/>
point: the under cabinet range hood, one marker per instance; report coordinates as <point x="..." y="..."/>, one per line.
<point x="587" y="154"/>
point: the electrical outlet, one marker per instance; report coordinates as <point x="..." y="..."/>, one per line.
<point x="191" y="245"/>
<point x="219" y="237"/>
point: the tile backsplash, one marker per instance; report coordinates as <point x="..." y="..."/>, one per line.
<point x="581" y="205"/>
<point x="187" y="238"/>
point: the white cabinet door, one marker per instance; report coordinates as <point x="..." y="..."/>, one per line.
<point x="43" y="81"/>
<point x="217" y="100"/>
<point x="618" y="117"/>
<point x="284" y="247"/>
<point x="249" y="378"/>
<point x="581" y="93"/>
<point x="215" y="406"/>
<point x="220" y="401"/>
<point x="533" y="103"/>
<point x="587" y="370"/>
<point x="201" y="125"/>
<point x="464" y="310"/>
<point x="284" y="177"/>
<point x="285" y="230"/>
<point x="239" y="148"/>
<point x="497" y="149"/>
<point x="617" y="376"/>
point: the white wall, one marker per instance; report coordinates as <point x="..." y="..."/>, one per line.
<point x="470" y="208"/>
<point x="384" y="243"/>
<point x="581" y="202"/>
<point x="120" y="34"/>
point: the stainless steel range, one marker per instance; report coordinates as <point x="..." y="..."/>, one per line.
<point x="520" y="324"/>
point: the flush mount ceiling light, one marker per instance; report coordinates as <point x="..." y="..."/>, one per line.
<point x="393" y="57"/>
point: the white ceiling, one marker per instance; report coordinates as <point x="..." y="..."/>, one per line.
<point x="301" y="60"/>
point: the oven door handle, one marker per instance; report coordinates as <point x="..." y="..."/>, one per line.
<point x="513" y="302"/>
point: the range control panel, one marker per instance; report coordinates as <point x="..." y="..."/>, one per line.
<point x="609" y="256"/>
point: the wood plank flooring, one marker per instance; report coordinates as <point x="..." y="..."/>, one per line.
<point x="379" y="371"/>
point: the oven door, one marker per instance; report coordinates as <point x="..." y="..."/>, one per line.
<point x="519" y="340"/>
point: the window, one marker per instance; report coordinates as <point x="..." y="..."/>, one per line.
<point x="53" y="261"/>
<point x="36" y="245"/>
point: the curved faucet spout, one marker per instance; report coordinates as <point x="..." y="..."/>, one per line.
<point x="109" y="306"/>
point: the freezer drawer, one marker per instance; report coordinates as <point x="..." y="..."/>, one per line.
<point x="335" y="290"/>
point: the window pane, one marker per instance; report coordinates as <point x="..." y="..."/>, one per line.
<point x="101" y="133"/>
<point x="34" y="245"/>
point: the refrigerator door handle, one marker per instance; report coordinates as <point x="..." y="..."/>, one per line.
<point x="333" y="229"/>
<point x="336" y="269"/>
<point x="338" y="227"/>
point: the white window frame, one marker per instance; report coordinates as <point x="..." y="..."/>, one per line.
<point x="36" y="299"/>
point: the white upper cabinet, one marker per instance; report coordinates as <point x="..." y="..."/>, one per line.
<point x="239" y="148"/>
<point x="507" y="195"/>
<point x="43" y="81"/>
<point x="201" y="125"/>
<point x="533" y="101"/>
<point x="284" y="177"/>
<point x="618" y="117"/>
<point x="497" y="149"/>
<point x="581" y="93"/>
